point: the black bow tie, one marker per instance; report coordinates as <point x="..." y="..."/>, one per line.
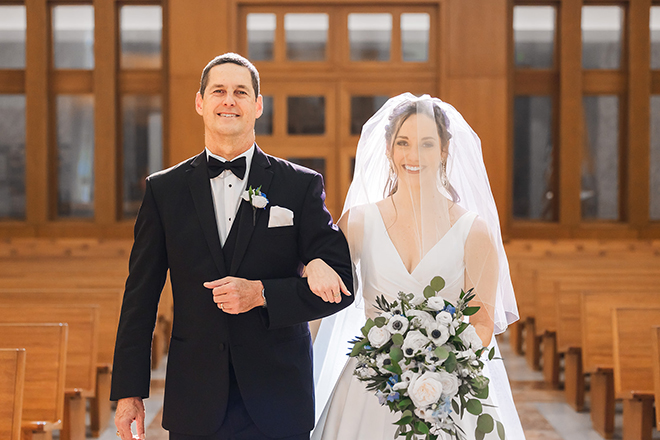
<point x="236" y="166"/>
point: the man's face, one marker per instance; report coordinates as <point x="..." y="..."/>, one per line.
<point x="229" y="106"/>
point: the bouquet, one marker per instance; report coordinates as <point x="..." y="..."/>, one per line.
<point x="423" y="361"/>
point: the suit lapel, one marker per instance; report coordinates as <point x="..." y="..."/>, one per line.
<point x="260" y="176"/>
<point x="200" y="189"/>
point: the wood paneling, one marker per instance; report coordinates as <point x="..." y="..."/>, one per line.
<point x="478" y="38"/>
<point x="483" y="102"/>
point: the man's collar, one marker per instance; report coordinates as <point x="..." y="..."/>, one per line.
<point x="248" y="154"/>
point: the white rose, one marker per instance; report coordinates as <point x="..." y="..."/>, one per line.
<point x="444" y="318"/>
<point x="397" y="324"/>
<point x="438" y="333"/>
<point x="378" y="336"/>
<point x="420" y="318"/>
<point x="436" y="303"/>
<point x="425" y="390"/>
<point x="417" y="300"/>
<point x="471" y="339"/>
<point x="413" y="343"/>
<point x="449" y="384"/>
<point x="259" y="201"/>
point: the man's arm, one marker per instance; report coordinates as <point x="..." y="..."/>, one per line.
<point x="290" y="300"/>
<point x="147" y="273"/>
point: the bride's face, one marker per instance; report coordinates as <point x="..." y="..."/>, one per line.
<point x="416" y="151"/>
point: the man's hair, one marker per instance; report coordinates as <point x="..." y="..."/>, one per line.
<point x="233" y="58"/>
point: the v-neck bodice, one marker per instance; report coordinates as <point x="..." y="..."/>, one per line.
<point x="384" y="273"/>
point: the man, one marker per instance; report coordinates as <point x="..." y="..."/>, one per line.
<point x="239" y="364"/>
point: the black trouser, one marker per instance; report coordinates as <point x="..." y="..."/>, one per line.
<point x="237" y="424"/>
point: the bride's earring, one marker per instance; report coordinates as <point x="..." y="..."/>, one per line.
<point x="443" y="175"/>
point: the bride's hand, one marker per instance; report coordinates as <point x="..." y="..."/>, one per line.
<point x="324" y="282"/>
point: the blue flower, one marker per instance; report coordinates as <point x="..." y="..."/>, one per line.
<point x="381" y="397"/>
<point x="393" y="396"/>
<point x="393" y="380"/>
<point x="450" y="309"/>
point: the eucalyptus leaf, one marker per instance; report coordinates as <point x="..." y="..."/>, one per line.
<point x="422" y="428"/>
<point x="397" y="339"/>
<point x="429" y="292"/>
<point x="474" y="407"/>
<point x="405" y="419"/>
<point x="396" y="354"/>
<point x="368" y="326"/>
<point x="500" y="430"/>
<point x="380" y="321"/>
<point x="478" y="435"/>
<point x="404" y="403"/>
<point x="481" y="393"/>
<point x="441" y="352"/>
<point x="485" y="423"/>
<point x="437" y="283"/>
<point x="451" y="363"/>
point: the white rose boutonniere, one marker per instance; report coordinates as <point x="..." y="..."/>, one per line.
<point x="257" y="199"/>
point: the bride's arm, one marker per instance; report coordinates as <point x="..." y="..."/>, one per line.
<point x="481" y="273"/>
<point x="322" y="279"/>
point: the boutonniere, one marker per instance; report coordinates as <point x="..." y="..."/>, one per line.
<point x="257" y="199"/>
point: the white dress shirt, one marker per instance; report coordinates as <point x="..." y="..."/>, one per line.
<point x="227" y="190"/>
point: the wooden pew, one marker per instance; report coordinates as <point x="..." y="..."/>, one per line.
<point x="655" y="352"/>
<point x="546" y="273"/>
<point x="569" y="331"/>
<point x="535" y="252"/>
<point x="82" y="355"/>
<point x="12" y="382"/>
<point x="109" y="302"/>
<point x="598" y="351"/>
<point x="43" y="398"/>
<point x="633" y="368"/>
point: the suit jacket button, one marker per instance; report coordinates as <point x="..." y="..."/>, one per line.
<point x="221" y="346"/>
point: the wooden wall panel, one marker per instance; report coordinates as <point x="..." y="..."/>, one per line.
<point x="478" y="38"/>
<point x="198" y="30"/>
<point x="186" y="128"/>
<point x="483" y="102"/>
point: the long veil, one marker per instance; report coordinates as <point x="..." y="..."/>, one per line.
<point x="432" y="173"/>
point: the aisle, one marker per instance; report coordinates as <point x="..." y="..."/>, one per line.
<point x="543" y="413"/>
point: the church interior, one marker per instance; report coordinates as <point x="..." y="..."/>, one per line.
<point x="96" y="95"/>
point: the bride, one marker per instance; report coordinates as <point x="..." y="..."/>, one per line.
<point x="419" y="206"/>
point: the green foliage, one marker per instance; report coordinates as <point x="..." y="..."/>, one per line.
<point x="396" y="354"/>
<point x="441" y="352"/>
<point x="474" y="407"/>
<point x="500" y="430"/>
<point x="367" y="326"/>
<point x="429" y="292"/>
<point x="397" y="339"/>
<point x="437" y="284"/>
<point x="358" y="347"/>
<point x="485" y="423"/>
<point x="451" y="363"/>
<point x="405" y="419"/>
<point x="469" y="311"/>
<point x="380" y="322"/>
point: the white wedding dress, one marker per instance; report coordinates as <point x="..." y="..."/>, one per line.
<point x="352" y="412"/>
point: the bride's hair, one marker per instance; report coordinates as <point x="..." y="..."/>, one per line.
<point x="399" y="115"/>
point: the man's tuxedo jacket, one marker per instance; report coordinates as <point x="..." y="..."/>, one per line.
<point x="270" y="348"/>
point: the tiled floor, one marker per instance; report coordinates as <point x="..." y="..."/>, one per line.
<point x="542" y="410"/>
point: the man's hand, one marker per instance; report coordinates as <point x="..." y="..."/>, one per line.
<point x="236" y="295"/>
<point x="324" y="282"/>
<point x="128" y="410"/>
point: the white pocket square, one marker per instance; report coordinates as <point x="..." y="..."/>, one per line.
<point x="280" y="217"/>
